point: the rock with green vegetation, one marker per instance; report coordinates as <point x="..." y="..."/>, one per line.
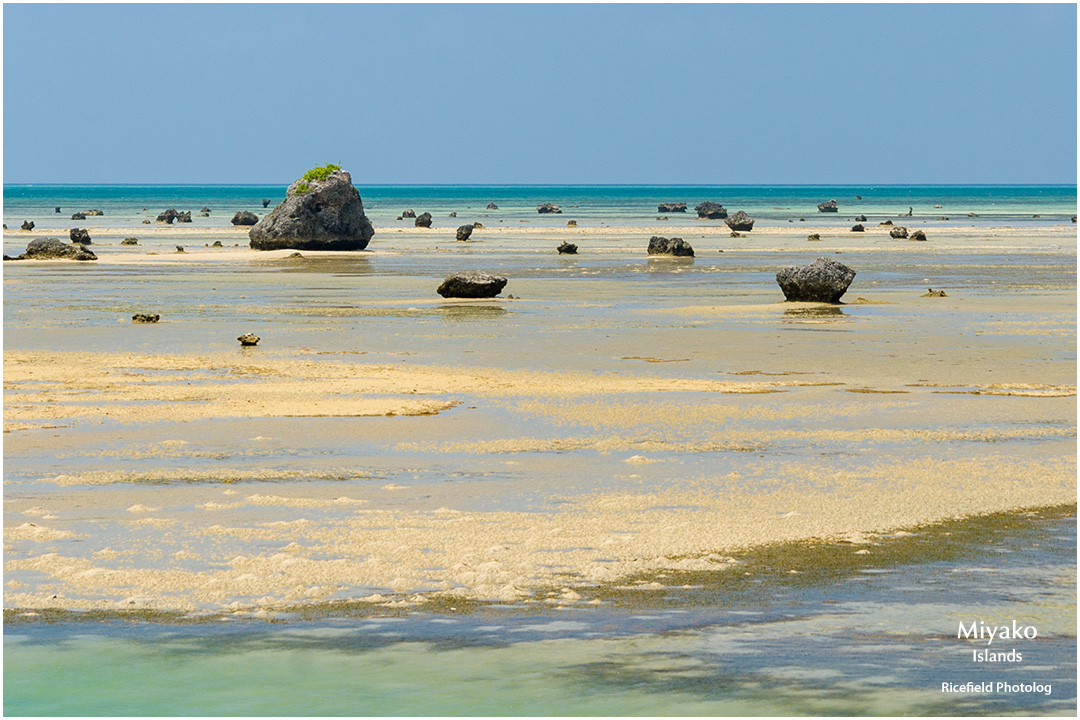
<point x="322" y="211"/>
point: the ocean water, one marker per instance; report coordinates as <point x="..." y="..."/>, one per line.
<point x="617" y="205"/>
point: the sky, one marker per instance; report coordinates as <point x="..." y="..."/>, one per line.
<point x="536" y="94"/>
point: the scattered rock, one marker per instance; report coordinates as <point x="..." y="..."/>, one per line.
<point x="937" y="207"/>
<point x="828" y="206"/>
<point x="94" y="213"/>
<point x="168" y="216"/>
<point x="408" y="213"/>
<point x="861" y="218"/>
<point x="857" y="228"/>
<point x="453" y="214"/>
<point x="325" y="214"/>
<point x="423" y="220"/>
<point x="898" y="232"/>
<point x="492" y="206"/>
<point x="823" y="280"/>
<point x="858" y="197"/>
<point x="711" y="210"/>
<point x="931" y="292"/>
<point x="130" y="241"/>
<point x="145" y="222"/>
<point x="204" y="209"/>
<point x="249" y="339"/>
<point x="217" y="243"/>
<point x="184" y="216"/>
<point x="943" y="218"/>
<point x="471" y="284"/>
<point x="670" y="246"/>
<point x="740" y="221"/>
<point x="573" y="223"/>
<point x="79" y="235"/>
<point x="179" y="248"/>
<point x="145" y="318"/>
<point x="57" y="208"/>
<point x="28" y="225"/>
<point x="671" y="207"/>
<point x="813" y="237"/>
<point x="737" y="234"/>
<point x="245" y="217"/>
<point x="477" y="225"/>
<point x="548" y="208"/>
<point x="918" y="235"/>
<point x="55" y="249"/>
<point x="464" y="232"/>
<point x="567" y="248"/>
<point x="266" y="202"/>
<point x="295" y="256"/>
<point x="78" y="216"/>
<point x="204" y="214"/>
<point x="887" y="222"/>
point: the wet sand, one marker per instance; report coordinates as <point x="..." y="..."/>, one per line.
<point x="621" y="415"/>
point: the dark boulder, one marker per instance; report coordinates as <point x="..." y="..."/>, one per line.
<point x="130" y="241"/>
<point x="887" y="222"/>
<point x="823" y="280"/>
<point x="740" y="221"/>
<point x="548" y="208"/>
<point x="217" y="243"/>
<point x="57" y="208"/>
<point x="55" y="249"/>
<point x="898" y="232"/>
<point x="471" y="284"/>
<point x="423" y="220"/>
<point x="145" y="318"/>
<point x="453" y="214"/>
<point x="814" y="237"/>
<point x="325" y="214"/>
<point x="78" y="216"/>
<point x="567" y="248"/>
<point x="492" y="206"/>
<point x="94" y="213"/>
<point x="245" y="217"/>
<point x="408" y="213"/>
<point x="266" y="202"/>
<point x="184" y="216"/>
<point x="168" y="216"/>
<point x="571" y="223"/>
<point x="918" y="235"/>
<point x="464" y="232"/>
<point x="671" y="207"/>
<point x="249" y="340"/>
<point x="79" y="235"/>
<point x="202" y="214"/>
<point x="28" y="225"/>
<point x="828" y="206"/>
<point x="711" y="210"/>
<point x="670" y="246"/>
<point x="861" y="218"/>
<point x="858" y="228"/>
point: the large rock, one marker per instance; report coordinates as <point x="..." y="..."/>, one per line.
<point x="79" y="235"/>
<point x="670" y="246"/>
<point x="898" y="232"/>
<point x="464" y="232"/>
<point x="315" y="215"/>
<point x="471" y="284"/>
<point x="671" y="207"/>
<point x="245" y="217"/>
<point x="548" y="208"/>
<point x="423" y="220"/>
<point x="55" y="249"/>
<point x="829" y="206"/>
<point x="740" y="221"/>
<point x="168" y="216"/>
<point x="823" y="280"/>
<point x="711" y="210"/>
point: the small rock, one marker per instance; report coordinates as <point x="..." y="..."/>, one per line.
<point x="408" y="214"/>
<point x="711" y="210"/>
<point x="937" y="207"/>
<point x="492" y="206"/>
<point x="295" y="256"/>
<point x="204" y="214"/>
<point x="471" y="284"/>
<point x="571" y="223"/>
<point x="548" y="208"/>
<point x="931" y="292"/>
<point x="671" y="207"/>
<point x="887" y="222"/>
<point x="857" y="228"/>
<point x="464" y="232"/>
<point x="95" y="213"/>
<point x="453" y="214"/>
<point x="736" y="234"/>
<point x="78" y="216"/>
<point x="179" y="248"/>
<point x="477" y="225"/>
<point x="204" y="209"/>
<point x="861" y="218"/>
<point x="145" y="318"/>
<point x="898" y="232"/>
<point x="57" y="208"/>
<point x="245" y="217"/>
<point x="814" y="237"/>
<point x="828" y="206"/>
<point x="79" y="235"/>
<point x="130" y="241"/>
<point x="266" y="202"/>
<point x="670" y="246"/>
<point x="248" y="339"/>
<point x="740" y="221"/>
<point x="145" y="222"/>
<point x="184" y="216"/>
<point x="858" y="197"/>
<point x="217" y="243"/>
<point x="943" y="218"/>
<point x="918" y="235"/>
<point x="567" y="248"/>
<point x="423" y="220"/>
<point x="28" y="225"/>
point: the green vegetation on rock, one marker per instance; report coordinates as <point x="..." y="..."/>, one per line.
<point x="320" y="173"/>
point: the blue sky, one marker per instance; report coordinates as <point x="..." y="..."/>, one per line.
<point x="710" y="94"/>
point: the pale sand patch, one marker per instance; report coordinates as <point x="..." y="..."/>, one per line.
<point x="156" y="476"/>
<point x="33" y="531"/>
<point x="521" y="555"/>
<point x="141" y="388"/>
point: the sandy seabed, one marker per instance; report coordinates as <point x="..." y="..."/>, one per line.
<point x="618" y="418"/>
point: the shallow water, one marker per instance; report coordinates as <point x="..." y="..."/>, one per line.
<point x="875" y="644"/>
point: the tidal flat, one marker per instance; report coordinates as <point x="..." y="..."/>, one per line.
<point x="625" y="434"/>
